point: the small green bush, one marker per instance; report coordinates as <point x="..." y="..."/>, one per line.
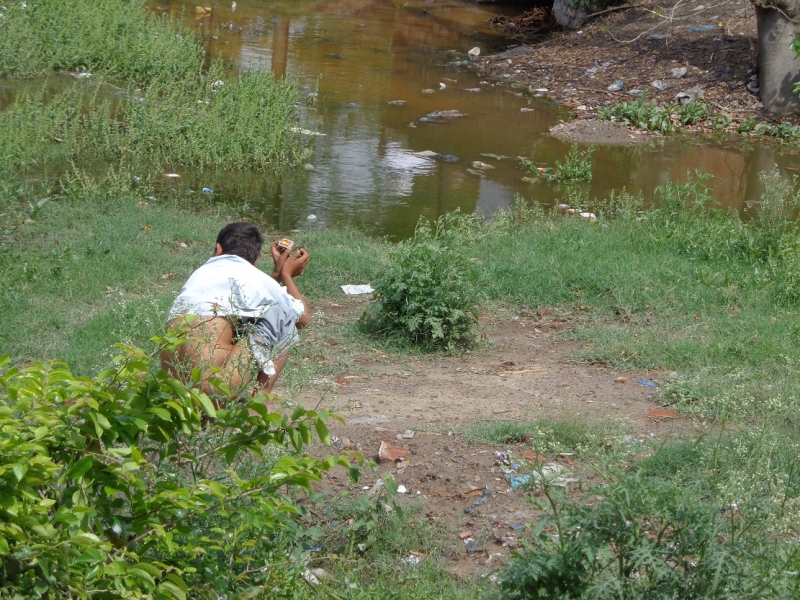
<point x="577" y="165"/>
<point x="429" y="295"/>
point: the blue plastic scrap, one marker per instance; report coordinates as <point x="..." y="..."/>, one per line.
<point x="208" y="191"/>
<point x="518" y="481"/>
<point x="482" y="500"/>
<point x="646" y="383"/>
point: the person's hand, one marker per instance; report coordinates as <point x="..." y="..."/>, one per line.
<point x="278" y="259"/>
<point x="295" y="263"/>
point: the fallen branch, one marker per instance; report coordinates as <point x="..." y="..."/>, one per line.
<point x="613" y="9"/>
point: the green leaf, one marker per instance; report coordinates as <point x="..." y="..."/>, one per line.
<point x="80" y="468"/>
<point x="20" y="470"/>
<point x="174" y="590"/>
<point x="160" y="413"/>
<point x="86" y="539"/>
<point x="230" y="453"/>
<point x="3" y="543"/>
<point x="322" y="431"/>
<point x="205" y="402"/>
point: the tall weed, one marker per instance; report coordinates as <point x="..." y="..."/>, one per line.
<point x="661" y="531"/>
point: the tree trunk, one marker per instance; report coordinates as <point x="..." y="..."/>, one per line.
<point x="778" y="68"/>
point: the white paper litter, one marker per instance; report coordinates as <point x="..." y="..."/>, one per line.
<point x="355" y="290"/>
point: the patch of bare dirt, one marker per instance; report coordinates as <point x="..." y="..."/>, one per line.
<point x="675" y="45"/>
<point x="591" y="131"/>
<point x="421" y="403"/>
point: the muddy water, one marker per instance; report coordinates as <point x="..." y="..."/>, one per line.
<point x="371" y="69"/>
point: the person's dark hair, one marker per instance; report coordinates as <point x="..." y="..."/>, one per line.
<point x="242" y="239"/>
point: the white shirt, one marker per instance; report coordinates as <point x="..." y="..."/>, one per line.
<point x="229" y="285"/>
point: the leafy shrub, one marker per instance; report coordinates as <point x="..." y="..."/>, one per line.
<point x="110" y="487"/>
<point x="641" y="113"/>
<point x="650" y="538"/>
<point x="428" y="296"/>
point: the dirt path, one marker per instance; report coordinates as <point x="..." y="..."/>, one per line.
<point x="422" y="403"/>
<point x="677" y="45"/>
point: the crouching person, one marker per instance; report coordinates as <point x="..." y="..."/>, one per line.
<point x="244" y="320"/>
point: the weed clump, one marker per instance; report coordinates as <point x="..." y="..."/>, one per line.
<point x="428" y="297"/>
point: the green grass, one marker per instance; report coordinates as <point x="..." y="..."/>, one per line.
<point x="119" y="40"/>
<point x="551" y="436"/>
<point x="382" y="570"/>
<point x="204" y="120"/>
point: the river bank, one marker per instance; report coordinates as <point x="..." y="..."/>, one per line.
<point x="659" y="51"/>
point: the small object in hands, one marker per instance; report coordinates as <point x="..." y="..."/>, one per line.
<point x="285" y="244"/>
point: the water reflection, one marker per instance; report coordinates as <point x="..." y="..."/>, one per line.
<point x="358" y="56"/>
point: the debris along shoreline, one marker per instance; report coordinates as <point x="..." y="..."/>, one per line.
<point x="695" y="51"/>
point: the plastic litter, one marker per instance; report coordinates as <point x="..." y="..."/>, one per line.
<point x="616" y="86"/>
<point x="357" y="290"/>
<point x="660" y="85"/>
<point x="518" y="481"/>
<point x="172" y="176"/>
<point x="233" y="5"/>
<point x="646" y="383"/>
<point x="476" y="164"/>
<point x="208" y="191"/>
<point x="397" y="102"/>
<point x="690" y="95"/>
<point x="474" y="53"/>
<point x="636" y="93"/>
<point x="480" y="502"/>
<point x="311" y="218"/>
<point x="306" y="131"/>
<point x="401" y="489"/>
<point x="702" y="28"/>
<point x="678" y="73"/>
